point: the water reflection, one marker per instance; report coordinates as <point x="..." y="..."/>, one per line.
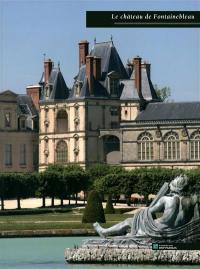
<point x="48" y="253"/>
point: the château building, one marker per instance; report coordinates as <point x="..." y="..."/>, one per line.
<point x="18" y="133"/>
<point x="113" y="115"/>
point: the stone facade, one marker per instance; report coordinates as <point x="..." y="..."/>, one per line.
<point x="112" y="114"/>
<point x="18" y="133"/>
<point x="109" y="115"/>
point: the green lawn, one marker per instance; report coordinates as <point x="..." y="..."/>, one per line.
<point x="52" y="221"/>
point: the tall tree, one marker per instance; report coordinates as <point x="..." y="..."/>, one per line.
<point x="163" y="93"/>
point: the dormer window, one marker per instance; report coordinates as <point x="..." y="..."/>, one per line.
<point x="22" y="123"/>
<point x="78" y="87"/>
<point x="114" y="83"/>
<point x="48" y="90"/>
<point x="7" y="119"/>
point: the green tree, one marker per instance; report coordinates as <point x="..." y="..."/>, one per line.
<point x="3" y="188"/>
<point x="76" y="180"/>
<point x="18" y="187"/>
<point x="94" y="210"/>
<point x="150" y="180"/>
<point x="194" y="182"/>
<point x="42" y="189"/>
<point x="163" y="93"/>
<point x="129" y="184"/>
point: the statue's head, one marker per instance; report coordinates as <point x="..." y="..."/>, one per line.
<point x="179" y="183"/>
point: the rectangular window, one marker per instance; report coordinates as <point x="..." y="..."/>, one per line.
<point x="89" y="125"/>
<point x="23" y="154"/>
<point x="114" y="86"/>
<point x="139" y="151"/>
<point x="8" y="154"/>
<point x="22" y="124"/>
<point x="7" y="119"/>
<point x="192" y="152"/>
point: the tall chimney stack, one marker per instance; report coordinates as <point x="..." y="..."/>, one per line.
<point x="89" y="73"/>
<point x="83" y="51"/>
<point x="138" y="74"/>
<point x="34" y="92"/>
<point x="97" y="68"/>
<point x="48" y="65"/>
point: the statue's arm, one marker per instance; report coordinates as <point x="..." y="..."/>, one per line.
<point x="158" y="206"/>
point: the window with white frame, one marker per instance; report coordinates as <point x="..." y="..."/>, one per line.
<point x="145" y="147"/>
<point x="171" y="146"/>
<point x="195" y="146"/>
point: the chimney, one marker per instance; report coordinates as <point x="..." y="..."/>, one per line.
<point x="48" y="65"/>
<point x="89" y="72"/>
<point x="83" y="51"/>
<point x="138" y="74"/>
<point x="147" y="66"/>
<point x="34" y="92"/>
<point x="97" y="68"/>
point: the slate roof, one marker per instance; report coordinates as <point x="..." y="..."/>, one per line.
<point x="110" y="61"/>
<point x="42" y="79"/>
<point x="59" y="87"/>
<point x="26" y="106"/>
<point x="129" y="92"/>
<point x="170" y="111"/>
<point x="148" y="92"/>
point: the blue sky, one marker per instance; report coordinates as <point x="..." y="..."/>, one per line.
<point x="31" y="28"/>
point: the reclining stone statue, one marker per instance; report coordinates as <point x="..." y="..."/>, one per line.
<point x="180" y="218"/>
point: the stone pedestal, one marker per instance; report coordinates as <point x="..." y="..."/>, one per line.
<point x="131" y="255"/>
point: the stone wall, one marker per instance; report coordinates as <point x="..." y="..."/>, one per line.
<point x="131" y="255"/>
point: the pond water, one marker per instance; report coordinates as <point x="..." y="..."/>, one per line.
<point x="48" y="253"/>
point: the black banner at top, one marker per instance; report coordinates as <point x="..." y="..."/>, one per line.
<point x="142" y="19"/>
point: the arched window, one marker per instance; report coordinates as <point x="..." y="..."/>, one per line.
<point x="111" y="149"/>
<point x="171" y="146"/>
<point x="145" y="147"/>
<point x="195" y="145"/>
<point x="62" y="121"/>
<point x="61" y="152"/>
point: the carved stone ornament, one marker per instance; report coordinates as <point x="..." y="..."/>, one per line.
<point x="158" y="134"/>
<point x="46" y="108"/>
<point x="76" y="136"/>
<point x="76" y="106"/>
<point x="46" y="138"/>
<point x="76" y="151"/>
<point x="184" y="132"/>
<point x="76" y="120"/>
<point x="46" y="152"/>
<point x="46" y="122"/>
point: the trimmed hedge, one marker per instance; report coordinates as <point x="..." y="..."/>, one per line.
<point x="34" y="211"/>
<point x="94" y="210"/>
